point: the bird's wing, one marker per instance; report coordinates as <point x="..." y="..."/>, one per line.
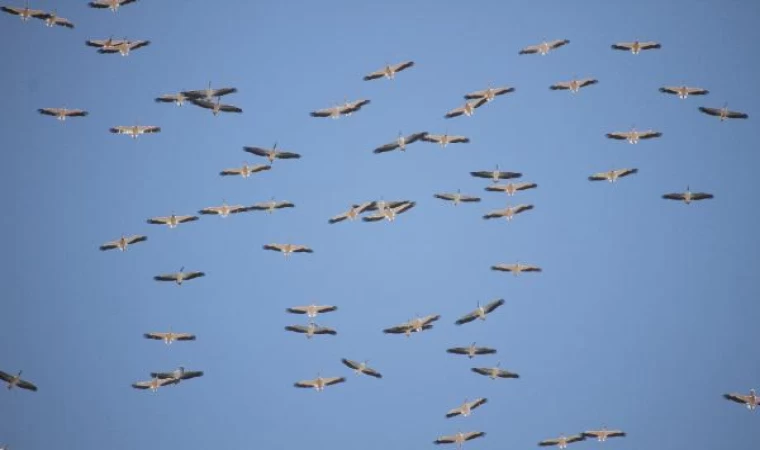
<point x="598" y="176"/>
<point x="302" y="249"/>
<point x="184" y="336"/>
<point x="700" y="196"/>
<point x="372" y="372"/>
<point x="649" y="45"/>
<point x="649" y="134"/>
<point x="445" y="440"/>
<point x="560" y="86"/>
<point x="149" y="129"/>
<point x="5" y="377"/>
<point x="710" y="111"/>
<point x="276" y="247"/>
<point x="398" y="329"/>
<point x="548" y="442"/>
<point x="476" y="94"/>
<point x="481" y="370"/>
<point x="625" y="172"/>
<point x="230" y="108"/>
<point x="193" y="275"/>
<point x="169" y="98"/>
<point x="473" y="435"/>
<point x="509" y="175"/>
<point x="587" y="82"/>
<point x="322" y="112"/>
<point x="375" y="75"/>
<point x="305" y="383"/>
<point x="202" y="103"/>
<point x="49" y="111"/>
<point x="235" y="171"/>
<point x="674" y="196"/>
<point x="192" y="374"/>
<point x="530" y="50"/>
<point x="454" y="412"/>
<point x="520" y="208"/>
<point x="162" y="375"/>
<point x="468" y="198"/>
<point x="333" y="380"/>
<point x="458" y="350"/>
<point x="287" y="155"/>
<point x="622" y="46"/>
<point x="349" y="363"/>
<point x="297" y="328"/>
<point x="325" y="330"/>
<point x="159" y="220"/>
<point x="477" y="402"/>
<point x="618" y="135"/>
<point x="156" y="336"/>
<point x="338" y="218"/>
<point x="494" y="214"/>
<point x="558" y="43"/>
<point x="576" y="438"/>
<point x="432" y="138"/>
<point x="211" y="210"/>
<point x="373" y="217"/>
<point x="467" y="318"/>
<point x="258" y="151"/>
<point x="669" y="90"/>
<point x="386" y="148"/>
<point x="482" y="174"/>
<point x="183" y="219"/>
<point x="697" y="91"/>
<point x="224" y="91"/>
<point x="455" y="112"/>
<point x="503" y="267"/>
<point x="737" y="115"/>
<point x="138" y="44"/>
<point x="109" y="245"/>
<point x="166" y="277"/>
<point x="523" y="186"/>
<point x="445" y="196"/>
<point x="458" y="139"/>
<point x="485" y="351"/>
<point x="401" y="66"/>
<point x="493" y="305"/>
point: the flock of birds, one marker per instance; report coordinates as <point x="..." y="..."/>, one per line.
<point x="370" y="211"/>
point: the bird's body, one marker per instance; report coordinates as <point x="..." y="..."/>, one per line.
<point x="123" y="242"/>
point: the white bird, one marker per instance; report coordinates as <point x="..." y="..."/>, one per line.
<point x="271" y="153"/>
<point x="389" y="213"/>
<point x="169" y="337"/>
<point x="288" y="249"/>
<point x="123" y="242"/>
<point x="511" y="188"/>
<point x="445" y="139"/>
<point x="124" y="47"/>
<point x="17" y="381"/>
<point x="603" y="434"/>
<point x="489" y="94"/>
<point x="311" y="329"/>
<point x="178" y="99"/>
<point x="172" y="221"/>
<point x="466" y="408"/>
<point x="52" y="19"/>
<point x="24" y="13"/>
<point x="62" y="113"/>
<point x="612" y="175"/>
<point x="335" y="112"/>
<point x="415" y="325"/>
<point x="751" y="401"/>
<point x="516" y="268"/>
<point x="389" y="71"/>
<point x="508" y="213"/>
<point x="215" y="107"/>
<point x="459" y="438"/>
<point x="178" y="374"/>
<point x="113" y="5"/>
<point x="457" y="198"/>
<point x="272" y="205"/>
<point x="135" y="131"/>
<point x="481" y="312"/>
<point x="494" y="372"/>
<point x="224" y="210"/>
<point x="361" y="367"/>
<point x="573" y="85"/>
<point x="154" y="384"/>
<point x="562" y="441"/>
<point x="208" y="93"/>
<point x="495" y="175"/>
<point x="636" y="47"/>
<point x="179" y="277"/>
<point x="683" y="91"/>
<point x="312" y="310"/>
<point x="723" y="113"/>
<point x="468" y="109"/>
<point x="351" y="214"/>
<point x="319" y="383"/>
<point x="245" y="171"/>
<point x="471" y="351"/>
<point x="400" y="143"/>
<point x="633" y="136"/>
<point x="688" y="196"/>
<point x="544" y="47"/>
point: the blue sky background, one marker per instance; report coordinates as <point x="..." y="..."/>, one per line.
<point x="646" y="311"/>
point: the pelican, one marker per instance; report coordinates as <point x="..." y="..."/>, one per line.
<point x="16" y="381"/>
<point x="113" y="5"/>
<point x="508" y="213"/>
<point x="612" y="175"/>
<point x="400" y="143"/>
<point x="224" y="210"/>
<point x="209" y="93"/>
<point x="457" y="198"/>
<point x="177" y="375"/>
<point x="245" y="171"/>
<point x="335" y="112"/>
<point x="382" y="205"/>
<point x="389" y="71"/>
<point x="135" y="131"/>
<point x="636" y="46"/>
<point x="52" y="19"/>
<point x="544" y="47"/>
<point x="104" y="43"/>
<point x="287" y="249"/>
<point x="751" y="401"/>
<point x="312" y="310"/>
<point x="123" y="47"/>
<point x="633" y="136"/>
<point x="481" y="312"/>
<point x="311" y="329"/>
<point x="319" y="383"/>
<point x="516" y="268"/>
<point x="723" y="113"/>
<point x="24" y="13"/>
<point x="683" y="92"/>
<point x="495" y="175"/>
<point x="489" y="94"/>
<point x="445" y="139"/>
<point x="215" y="107"/>
<point x="466" y="408"/>
<point x="468" y="109"/>
<point x="172" y="221"/>
<point x="179" y="277"/>
<point x="362" y="367"/>
<point x="459" y="438"/>
<point x="178" y="99"/>
<point x="389" y="213"/>
<point x="153" y="384"/>
<point x="511" y="188"/>
<point x="62" y="113"/>
<point x="415" y="325"/>
<point x="169" y="337"/>
<point x="471" y="351"/>
<point x="603" y="434"/>
<point x="562" y="441"/>
<point x="271" y="153"/>
<point x="494" y="372"/>
<point x="351" y="214"/>
<point x="688" y="196"/>
<point x="573" y="85"/>
<point x="123" y="242"/>
<point x="271" y="205"/>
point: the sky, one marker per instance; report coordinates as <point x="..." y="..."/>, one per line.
<point x="644" y="315"/>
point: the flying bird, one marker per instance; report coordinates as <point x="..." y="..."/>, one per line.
<point x="172" y="221"/>
<point x="636" y="47"/>
<point x="178" y="99"/>
<point x="415" y="325"/>
<point x="683" y="91"/>
<point x="113" y="5"/>
<point x="508" y="213"/>
<point x="287" y="249"/>
<point x="457" y="198"/>
<point x="246" y="170"/>
<point x="335" y="112"/>
<point x="123" y="47"/>
<point x="562" y="441"/>
<point x="389" y="71"/>
<point x="459" y="438"/>
<point x="271" y="153"/>
<point x="481" y="312"/>
<point x="511" y="188"/>
<point x="179" y="277"/>
<point x="516" y="268"/>
<point x="445" y="139"/>
<point x="573" y="85"/>
<point x="208" y="93"/>
<point x="496" y="175"/>
<point x="489" y="94"/>
<point x="400" y="143"/>
<point x="16" y="381"/>
<point x="135" y="131"/>
<point x="360" y="368"/>
<point x="688" y="196"/>
<point x="169" y="337"/>
<point x="311" y="329"/>
<point x="62" y="113"/>
<point x="24" y="13"/>
<point x="612" y="175"/>
<point x="153" y="384"/>
<point x="723" y="113"/>
<point x="633" y="136"/>
<point x="468" y="109"/>
<point x="471" y="351"/>
<point x="352" y="214"/>
<point x="751" y="401"/>
<point x="109" y="43"/>
<point x="544" y="47"/>
<point x="603" y="434"/>
<point x="177" y="375"/>
<point x="52" y="19"/>
<point x="123" y="242"/>
<point x="466" y="408"/>
<point x="494" y="372"/>
<point x="272" y="205"/>
<point x="224" y="210"/>
<point x="389" y="213"/>
<point x="215" y="107"/>
<point x="312" y="310"/>
<point x="319" y="383"/>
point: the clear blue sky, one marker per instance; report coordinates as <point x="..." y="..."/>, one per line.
<point x="646" y="311"/>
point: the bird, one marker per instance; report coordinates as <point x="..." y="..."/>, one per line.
<point x="415" y="325"/>
<point x="272" y="205"/>
<point x="24" y="13"/>
<point x="516" y="268"/>
<point x="573" y="85"/>
<point x="335" y="112"/>
<point x="636" y="47"/>
<point x="683" y="92"/>
<point x="389" y="71"/>
<point x="319" y="383"/>
<point x="179" y="277"/>
<point x="169" y="337"/>
<point x="312" y="310"/>
<point x="215" y="107"/>
<point x="104" y="43"/>
<point x="52" y="19"/>
<point x="311" y="329"/>
<point x="352" y="214"/>
<point x="457" y="198"/>
<point x="544" y="47"/>
<point x="751" y="401"/>
<point x="481" y="312"/>
<point x="271" y="153"/>
<point x="400" y="143"/>
<point x="208" y="93"/>
<point x="562" y="441"/>
<point x="511" y="188"/>
<point x="177" y="375"/>
<point x="172" y="221"/>
<point x="287" y="249"/>
<point x="633" y="136"/>
<point x="495" y="175"/>
<point x="62" y="113"/>
<point x="124" y="47"/>
<point x="246" y="170"/>
<point x="612" y="175"/>
<point x="466" y="408"/>
<point x="381" y="205"/>
<point x="362" y="367"/>
<point x="508" y="213"/>
<point x="135" y="131"/>
<point x="471" y="351"/>
<point x="224" y="210"/>
<point x="468" y="109"/>
<point x="123" y="242"/>
<point x="178" y="98"/>
<point x="489" y="94"/>
<point x="688" y="196"/>
<point x="445" y="139"/>
<point x="459" y="438"/>
<point x="153" y="384"/>
<point x="494" y="372"/>
<point x="113" y="5"/>
<point x="389" y="213"/>
<point x="723" y="113"/>
<point x="603" y="434"/>
<point x="16" y="381"/>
